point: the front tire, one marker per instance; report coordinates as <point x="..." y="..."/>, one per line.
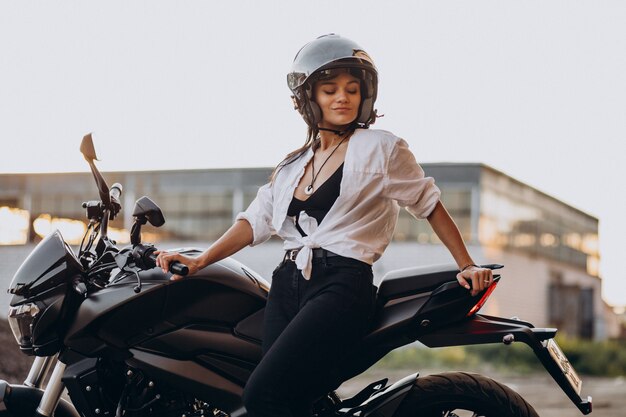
<point x="448" y="393"/>
<point x="22" y="401"/>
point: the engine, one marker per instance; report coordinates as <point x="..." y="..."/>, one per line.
<point x="103" y="388"/>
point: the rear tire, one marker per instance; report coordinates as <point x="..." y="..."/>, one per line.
<point x="441" y="394"/>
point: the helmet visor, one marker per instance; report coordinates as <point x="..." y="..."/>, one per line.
<point x="330" y="51"/>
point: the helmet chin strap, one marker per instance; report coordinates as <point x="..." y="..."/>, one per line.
<point x="339" y="133"/>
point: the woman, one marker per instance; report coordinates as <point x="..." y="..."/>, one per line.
<point x="335" y="202"/>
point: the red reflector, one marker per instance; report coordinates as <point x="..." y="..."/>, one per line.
<point x="483" y="299"/>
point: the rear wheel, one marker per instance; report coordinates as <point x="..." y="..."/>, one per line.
<point x="462" y="394"/>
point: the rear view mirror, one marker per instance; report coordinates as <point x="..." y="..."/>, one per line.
<point x="87" y="148"/>
<point x="146" y="208"/>
<point x="89" y="152"/>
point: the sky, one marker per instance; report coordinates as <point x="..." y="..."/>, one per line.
<point x="535" y="89"/>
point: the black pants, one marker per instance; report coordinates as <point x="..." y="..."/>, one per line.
<point x="308" y="327"/>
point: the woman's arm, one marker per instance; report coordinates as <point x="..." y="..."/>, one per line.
<point x="448" y="232"/>
<point x="236" y="238"/>
<point x="252" y="227"/>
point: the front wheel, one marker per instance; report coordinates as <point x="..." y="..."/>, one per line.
<point x="462" y="394"/>
<point x="22" y="401"/>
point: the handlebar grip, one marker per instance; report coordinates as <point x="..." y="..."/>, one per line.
<point x="176" y="267"/>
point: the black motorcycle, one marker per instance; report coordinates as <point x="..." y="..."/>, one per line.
<point x="124" y="340"/>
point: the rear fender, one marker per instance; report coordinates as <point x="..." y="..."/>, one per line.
<point x="385" y="402"/>
<point x="20" y="400"/>
<point x="482" y="329"/>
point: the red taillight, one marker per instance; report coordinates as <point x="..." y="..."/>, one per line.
<point x="483" y="299"/>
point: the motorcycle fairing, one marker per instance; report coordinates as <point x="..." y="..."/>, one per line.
<point x="222" y="295"/>
<point x="51" y="262"/>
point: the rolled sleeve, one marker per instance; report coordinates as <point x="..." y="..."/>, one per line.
<point x="405" y="182"/>
<point x="259" y="215"/>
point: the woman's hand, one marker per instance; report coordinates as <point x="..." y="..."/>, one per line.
<point x="446" y="230"/>
<point x="480" y="278"/>
<point x="164" y="259"/>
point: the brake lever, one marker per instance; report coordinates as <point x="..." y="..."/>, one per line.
<point x="136" y="288"/>
<point x="126" y="262"/>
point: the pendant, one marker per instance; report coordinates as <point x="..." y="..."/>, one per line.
<point x="308" y="190"/>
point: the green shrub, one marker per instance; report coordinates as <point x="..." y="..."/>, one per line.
<point x="606" y="358"/>
<point x="439" y="358"/>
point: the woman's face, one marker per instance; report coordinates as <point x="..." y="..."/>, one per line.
<point x="339" y="99"/>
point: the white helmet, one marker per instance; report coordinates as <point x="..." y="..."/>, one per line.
<point x="318" y="59"/>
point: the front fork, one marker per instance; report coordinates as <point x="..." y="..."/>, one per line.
<point x="39" y="370"/>
<point x="54" y="387"/>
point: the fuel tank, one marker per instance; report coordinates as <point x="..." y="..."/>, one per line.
<point x="217" y="310"/>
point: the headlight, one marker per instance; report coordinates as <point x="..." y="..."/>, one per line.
<point x="21" y="320"/>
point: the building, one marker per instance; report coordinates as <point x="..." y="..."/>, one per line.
<point x="549" y="249"/>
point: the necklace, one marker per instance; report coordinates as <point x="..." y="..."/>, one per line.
<point x="309" y="188"/>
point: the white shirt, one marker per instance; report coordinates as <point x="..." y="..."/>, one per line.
<point x="380" y="175"/>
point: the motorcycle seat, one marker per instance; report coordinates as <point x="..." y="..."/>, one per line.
<point x="414" y="280"/>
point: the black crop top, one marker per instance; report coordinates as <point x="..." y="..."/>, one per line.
<point x="320" y="202"/>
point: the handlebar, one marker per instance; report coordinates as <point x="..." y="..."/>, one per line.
<point x="175" y="267"/>
<point x="114" y="205"/>
<point x="145" y="258"/>
<point x="116" y="191"/>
